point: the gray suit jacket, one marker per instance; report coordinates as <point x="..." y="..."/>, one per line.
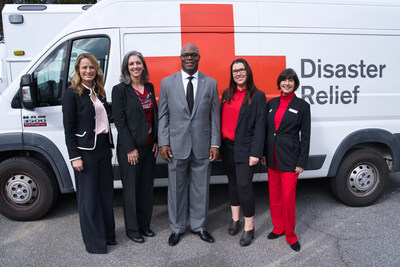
<point x="181" y="130"/>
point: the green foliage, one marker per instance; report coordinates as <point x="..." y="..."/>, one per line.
<point x="3" y="2"/>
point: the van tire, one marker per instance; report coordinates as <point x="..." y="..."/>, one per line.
<point x="361" y="178"/>
<point x="28" y="189"/>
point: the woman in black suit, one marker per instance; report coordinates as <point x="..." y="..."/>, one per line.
<point x="89" y="142"/>
<point x="135" y="115"/>
<point x="243" y="119"/>
<point x="286" y="149"/>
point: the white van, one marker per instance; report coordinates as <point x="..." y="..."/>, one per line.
<point x="27" y="29"/>
<point x="345" y="53"/>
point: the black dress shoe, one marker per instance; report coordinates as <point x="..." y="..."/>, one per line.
<point x="204" y="235"/>
<point x="246" y="238"/>
<point x="272" y="235"/>
<point x="174" y="238"/>
<point x="136" y="237"/>
<point x="295" y="246"/>
<point x="234" y="227"/>
<point x="112" y="242"/>
<point x="148" y="232"/>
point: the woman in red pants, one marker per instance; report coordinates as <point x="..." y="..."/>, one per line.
<point x="286" y="152"/>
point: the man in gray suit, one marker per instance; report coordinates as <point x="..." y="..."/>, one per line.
<point x="189" y="139"/>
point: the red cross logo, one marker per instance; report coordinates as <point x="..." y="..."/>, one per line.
<point x="211" y="28"/>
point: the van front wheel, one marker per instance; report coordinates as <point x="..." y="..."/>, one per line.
<point x="28" y="189"/>
<point x="361" y="179"/>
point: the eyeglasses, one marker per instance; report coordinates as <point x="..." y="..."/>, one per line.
<point x="191" y="55"/>
<point x="241" y="71"/>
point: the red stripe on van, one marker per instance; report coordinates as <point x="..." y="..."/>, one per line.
<point x="211" y="28"/>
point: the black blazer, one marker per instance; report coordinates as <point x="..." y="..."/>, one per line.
<point x="79" y="118"/>
<point x="129" y="116"/>
<point x="250" y="128"/>
<point x="291" y="150"/>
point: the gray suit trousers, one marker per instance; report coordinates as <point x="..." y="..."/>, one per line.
<point x="188" y="184"/>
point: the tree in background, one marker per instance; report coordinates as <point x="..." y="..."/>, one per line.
<point x="2" y="3"/>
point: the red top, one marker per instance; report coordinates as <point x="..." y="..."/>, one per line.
<point x="284" y="103"/>
<point x="230" y="114"/>
<point x="147" y="106"/>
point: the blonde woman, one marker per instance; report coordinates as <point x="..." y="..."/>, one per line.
<point x="89" y="142"/>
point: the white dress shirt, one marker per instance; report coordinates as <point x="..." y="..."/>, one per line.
<point x="185" y="80"/>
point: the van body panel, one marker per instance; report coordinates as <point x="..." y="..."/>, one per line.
<point x="10" y="118"/>
<point x="344" y="52"/>
<point x="260" y="36"/>
<point x="256" y="30"/>
<point x="11" y="141"/>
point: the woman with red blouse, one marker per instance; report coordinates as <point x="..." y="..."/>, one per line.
<point x="243" y="120"/>
<point x="286" y="152"/>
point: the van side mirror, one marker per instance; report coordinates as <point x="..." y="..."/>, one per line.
<point x="28" y="93"/>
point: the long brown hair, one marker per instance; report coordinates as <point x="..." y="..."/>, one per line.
<point x="250" y="86"/>
<point x="76" y="81"/>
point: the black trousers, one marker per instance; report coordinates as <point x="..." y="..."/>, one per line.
<point x="240" y="177"/>
<point x="138" y="187"/>
<point x="95" y="193"/>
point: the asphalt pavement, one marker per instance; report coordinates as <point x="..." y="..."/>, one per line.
<point x="330" y="233"/>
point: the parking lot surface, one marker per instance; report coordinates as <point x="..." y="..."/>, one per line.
<point x="331" y="234"/>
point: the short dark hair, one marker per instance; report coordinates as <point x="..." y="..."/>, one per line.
<point x="126" y="76"/>
<point x="288" y="74"/>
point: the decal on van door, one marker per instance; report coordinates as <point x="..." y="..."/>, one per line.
<point x="34" y="120"/>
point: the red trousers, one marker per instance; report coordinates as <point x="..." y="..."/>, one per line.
<point x="282" y="198"/>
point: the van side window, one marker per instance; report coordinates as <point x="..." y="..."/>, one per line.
<point x="48" y="77"/>
<point x="98" y="46"/>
